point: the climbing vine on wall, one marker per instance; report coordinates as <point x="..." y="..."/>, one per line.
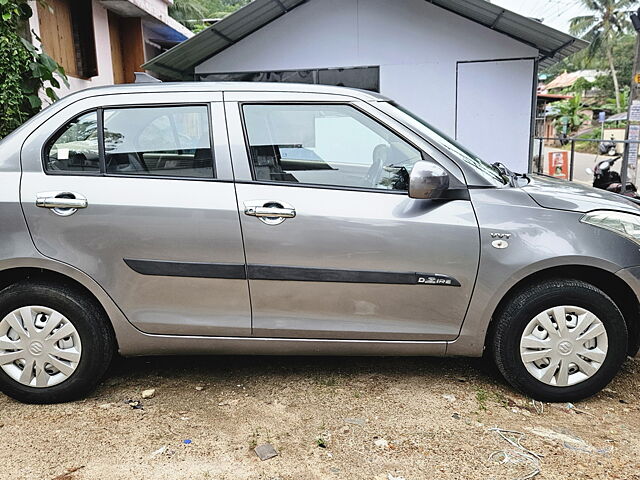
<point x="25" y="71"/>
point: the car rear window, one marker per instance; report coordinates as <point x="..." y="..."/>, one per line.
<point x="158" y="141"/>
<point x="153" y="141"/>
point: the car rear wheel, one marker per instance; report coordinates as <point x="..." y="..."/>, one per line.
<point x="559" y="340"/>
<point x="55" y="344"/>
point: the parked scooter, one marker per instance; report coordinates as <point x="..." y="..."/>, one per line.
<point x="607" y="179"/>
<point x="607" y="147"/>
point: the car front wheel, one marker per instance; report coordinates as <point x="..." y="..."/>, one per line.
<point x="55" y="344"/>
<point x="559" y="340"/>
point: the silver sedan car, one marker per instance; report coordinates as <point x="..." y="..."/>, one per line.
<point x="247" y="218"/>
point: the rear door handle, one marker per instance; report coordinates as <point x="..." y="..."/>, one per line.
<point x="270" y="212"/>
<point x="61" y="203"/>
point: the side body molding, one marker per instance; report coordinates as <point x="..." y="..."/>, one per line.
<point x="285" y="273"/>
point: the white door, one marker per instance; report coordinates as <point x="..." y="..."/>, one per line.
<point x="494" y="110"/>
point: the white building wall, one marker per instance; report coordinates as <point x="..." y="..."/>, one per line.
<point x="416" y="44"/>
<point x="479" y="123"/>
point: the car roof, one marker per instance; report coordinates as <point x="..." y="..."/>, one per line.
<point x="160" y="87"/>
<point x="225" y="87"/>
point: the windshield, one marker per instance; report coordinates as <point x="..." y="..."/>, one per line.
<point x="488" y="171"/>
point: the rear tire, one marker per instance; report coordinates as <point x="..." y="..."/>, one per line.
<point x="565" y="360"/>
<point x="59" y="340"/>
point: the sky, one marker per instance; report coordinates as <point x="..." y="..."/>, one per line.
<point x="555" y="13"/>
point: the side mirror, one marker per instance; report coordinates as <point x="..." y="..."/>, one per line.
<point x="427" y="180"/>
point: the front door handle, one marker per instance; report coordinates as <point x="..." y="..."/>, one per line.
<point x="61" y="203"/>
<point x="269" y="211"/>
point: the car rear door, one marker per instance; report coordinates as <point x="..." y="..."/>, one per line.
<point x="147" y="209"/>
<point x="335" y="248"/>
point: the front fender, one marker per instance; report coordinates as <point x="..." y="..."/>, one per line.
<point x="537" y="239"/>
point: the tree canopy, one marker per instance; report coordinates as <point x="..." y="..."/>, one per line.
<point x="191" y="12"/>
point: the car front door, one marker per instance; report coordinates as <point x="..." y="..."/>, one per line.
<point x="135" y="191"/>
<point x="335" y="248"/>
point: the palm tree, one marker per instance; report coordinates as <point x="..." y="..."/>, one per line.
<point x="607" y="22"/>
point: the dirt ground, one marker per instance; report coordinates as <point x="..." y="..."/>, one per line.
<point x="328" y="418"/>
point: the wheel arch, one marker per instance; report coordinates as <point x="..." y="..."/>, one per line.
<point x="46" y="269"/>
<point x="611" y="284"/>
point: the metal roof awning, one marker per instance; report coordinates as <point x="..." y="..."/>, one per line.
<point x="553" y="44"/>
<point x="179" y="62"/>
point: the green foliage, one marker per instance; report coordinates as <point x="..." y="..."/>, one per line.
<point x="321" y="442"/>
<point x="623" y="52"/>
<point x="612" y="50"/>
<point x="191" y="12"/>
<point x="581" y="85"/>
<point x="482" y="397"/>
<point x="570" y="114"/>
<point x="607" y="22"/>
<point x="221" y="8"/>
<point x="24" y="70"/>
<point x="577" y="61"/>
<point x="610" y="103"/>
<point x="586" y="147"/>
<point x="185" y="10"/>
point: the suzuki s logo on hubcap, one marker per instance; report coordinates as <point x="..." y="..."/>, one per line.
<point x="36" y="348"/>
<point x="565" y="347"/>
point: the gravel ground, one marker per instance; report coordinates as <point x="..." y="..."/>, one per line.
<point x="329" y="418"/>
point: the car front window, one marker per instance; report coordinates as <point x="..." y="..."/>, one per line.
<point x="486" y="170"/>
<point x="326" y="144"/>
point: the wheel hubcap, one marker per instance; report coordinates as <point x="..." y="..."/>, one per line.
<point x="564" y="345"/>
<point x="39" y="347"/>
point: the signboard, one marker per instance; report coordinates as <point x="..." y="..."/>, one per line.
<point x="634" y="111"/>
<point x="602" y="116"/>
<point x="632" y="148"/>
<point x="559" y="164"/>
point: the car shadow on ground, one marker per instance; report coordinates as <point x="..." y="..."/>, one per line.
<point x="257" y="368"/>
<point x="272" y="372"/>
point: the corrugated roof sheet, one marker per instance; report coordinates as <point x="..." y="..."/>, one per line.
<point x="618" y="117"/>
<point x="567" y="79"/>
<point x="179" y="62"/>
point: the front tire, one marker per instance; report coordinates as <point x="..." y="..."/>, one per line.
<point x="55" y="343"/>
<point x="560" y="340"/>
